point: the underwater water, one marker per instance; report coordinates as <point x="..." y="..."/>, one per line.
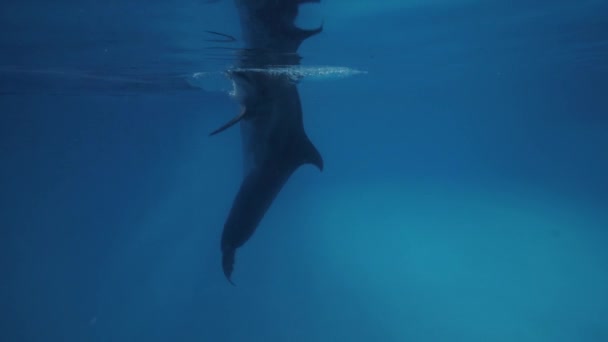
<point x="464" y="195"/>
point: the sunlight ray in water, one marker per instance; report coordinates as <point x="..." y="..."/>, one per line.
<point x="463" y="195"/>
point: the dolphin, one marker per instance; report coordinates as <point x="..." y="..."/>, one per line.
<point x="274" y="141"/>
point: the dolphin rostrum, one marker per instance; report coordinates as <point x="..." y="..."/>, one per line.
<point x="274" y="141"/>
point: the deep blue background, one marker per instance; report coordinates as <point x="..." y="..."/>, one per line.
<point x="464" y="196"/>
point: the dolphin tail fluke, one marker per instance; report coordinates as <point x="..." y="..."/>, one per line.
<point x="230" y="123"/>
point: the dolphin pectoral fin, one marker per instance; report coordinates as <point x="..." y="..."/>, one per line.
<point x="230" y="123"/>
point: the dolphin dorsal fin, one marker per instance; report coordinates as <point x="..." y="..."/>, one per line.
<point x="230" y="123"/>
<point x="309" y="154"/>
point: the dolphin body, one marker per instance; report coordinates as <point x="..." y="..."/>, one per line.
<point x="274" y="141"/>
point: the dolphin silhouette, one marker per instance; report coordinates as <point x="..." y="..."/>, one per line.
<point x="274" y="141"/>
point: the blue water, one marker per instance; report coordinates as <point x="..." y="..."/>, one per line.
<point x="464" y="196"/>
